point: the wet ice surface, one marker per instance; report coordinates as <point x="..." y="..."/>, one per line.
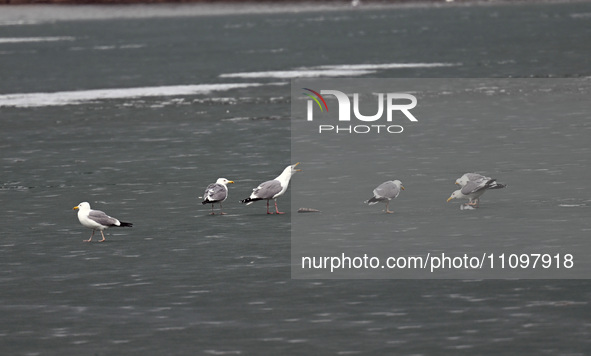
<point x="183" y="282"/>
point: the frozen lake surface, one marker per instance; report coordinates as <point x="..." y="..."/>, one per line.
<point x="138" y="115"/>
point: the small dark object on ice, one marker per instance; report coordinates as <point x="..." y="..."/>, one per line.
<point x="308" y="210"/>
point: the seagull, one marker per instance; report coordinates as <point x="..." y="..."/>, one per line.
<point x="473" y="186"/>
<point x="386" y="192"/>
<point x="216" y="193"/>
<point x="272" y="189"/>
<point x="97" y="220"/>
<point x="478" y="178"/>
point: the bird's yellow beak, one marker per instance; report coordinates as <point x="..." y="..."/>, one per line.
<point x="230" y="181"/>
<point x="448" y="199"/>
<point x="457" y="183"/>
<point x="401" y="187"/>
<point x="74" y="208"/>
<point x="295" y="165"/>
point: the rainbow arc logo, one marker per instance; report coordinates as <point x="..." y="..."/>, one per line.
<point x="316" y="100"/>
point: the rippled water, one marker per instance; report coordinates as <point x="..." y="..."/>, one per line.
<point x="137" y="116"/>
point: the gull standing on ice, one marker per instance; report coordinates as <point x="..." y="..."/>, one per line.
<point x="97" y="220"/>
<point x="216" y="193"/>
<point x="272" y="189"/>
<point x="473" y="186"/>
<point x="386" y="192"/>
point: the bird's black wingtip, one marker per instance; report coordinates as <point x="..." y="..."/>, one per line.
<point x="371" y="200"/>
<point x="249" y="200"/>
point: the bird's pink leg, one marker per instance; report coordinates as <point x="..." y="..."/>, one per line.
<point x="90" y="237"/>
<point x="277" y="210"/>
<point x="268" y="212"/>
<point x="387" y="210"/>
<point x="221" y="212"/>
<point x="103" y="240"/>
<point x="212" y="213"/>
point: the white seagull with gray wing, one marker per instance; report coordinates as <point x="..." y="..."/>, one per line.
<point x="479" y="179"/>
<point x="216" y="193"/>
<point x="272" y="189"/>
<point x="385" y="192"/>
<point x="97" y="220"/>
<point x="473" y="186"/>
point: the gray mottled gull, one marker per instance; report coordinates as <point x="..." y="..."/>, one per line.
<point x="272" y="189"/>
<point x="473" y="186"/>
<point x="479" y="179"/>
<point x="97" y="220"/>
<point x="386" y="192"/>
<point x="216" y="193"/>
